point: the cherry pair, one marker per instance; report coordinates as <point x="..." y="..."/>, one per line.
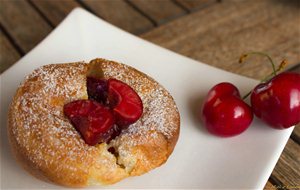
<point x="112" y="106"/>
<point x="276" y="102"/>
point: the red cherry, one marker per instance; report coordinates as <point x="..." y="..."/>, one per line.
<point x="125" y="102"/>
<point x="224" y="112"/>
<point x="277" y="102"/>
<point x="97" y="89"/>
<point x="91" y="119"/>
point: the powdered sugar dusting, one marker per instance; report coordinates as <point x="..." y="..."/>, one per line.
<point x="159" y="108"/>
<point x="40" y="125"/>
<point x="50" y="141"/>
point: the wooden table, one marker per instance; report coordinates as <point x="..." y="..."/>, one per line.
<point x="213" y="31"/>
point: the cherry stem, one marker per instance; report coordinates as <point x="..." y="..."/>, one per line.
<point x="271" y="75"/>
<point x="274" y="73"/>
<point x="243" y="57"/>
<point x="246" y="95"/>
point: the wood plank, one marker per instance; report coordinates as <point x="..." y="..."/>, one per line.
<point x="287" y="169"/>
<point x="8" y="55"/>
<point x="121" y="14"/>
<point x="160" y="11"/>
<point x="269" y="186"/>
<point x="23" y="23"/>
<point x="285" y="47"/>
<point x="55" y="10"/>
<point x="220" y="33"/>
<point x="296" y="134"/>
<point x="193" y="5"/>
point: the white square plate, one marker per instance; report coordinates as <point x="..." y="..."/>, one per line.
<point x="200" y="160"/>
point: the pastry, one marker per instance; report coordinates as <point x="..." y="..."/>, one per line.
<point x="46" y="143"/>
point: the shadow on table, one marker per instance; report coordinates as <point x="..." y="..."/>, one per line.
<point x="292" y="3"/>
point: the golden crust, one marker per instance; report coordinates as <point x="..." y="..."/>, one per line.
<point x="49" y="147"/>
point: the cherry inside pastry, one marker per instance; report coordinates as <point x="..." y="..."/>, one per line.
<point x="47" y="143"/>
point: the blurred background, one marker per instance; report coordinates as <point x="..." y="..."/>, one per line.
<point x="215" y="32"/>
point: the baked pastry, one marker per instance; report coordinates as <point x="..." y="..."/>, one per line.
<point x="49" y="147"/>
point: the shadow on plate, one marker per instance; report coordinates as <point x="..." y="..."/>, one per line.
<point x="195" y="105"/>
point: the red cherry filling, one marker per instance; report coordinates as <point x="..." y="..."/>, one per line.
<point x="113" y="105"/>
<point x="97" y="89"/>
<point x="93" y="120"/>
<point x="125" y="102"/>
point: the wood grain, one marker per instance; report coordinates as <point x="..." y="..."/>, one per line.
<point x="55" y="10"/>
<point x="216" y="33"/>
<point x="160" y="11"/>
<point x="296" y="134"/>
<point x="287" y="169"/>
<point x="8" y="55"/>
<point x="24" y="24"/>
<point x="193" y="5"/>
<point x="121" y="14"/>
<point x="269" y="186"/>
<point x="220" y="33"/>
